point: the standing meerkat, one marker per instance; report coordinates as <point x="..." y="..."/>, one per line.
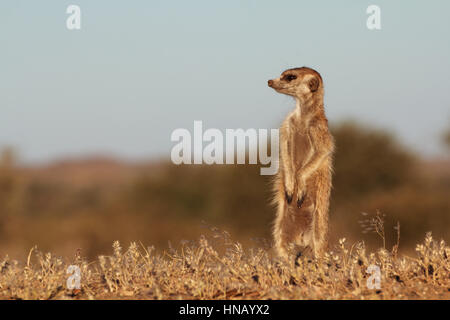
<point x="302" y="185"/>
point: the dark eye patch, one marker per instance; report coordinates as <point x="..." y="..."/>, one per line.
<point x="290" y="77"/>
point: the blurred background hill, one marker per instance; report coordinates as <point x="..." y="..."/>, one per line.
<point x="87" y="203"/>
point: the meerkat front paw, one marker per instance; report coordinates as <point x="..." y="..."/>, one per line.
<point x="301" y="193"/>
<point x="288" y="197"/>
<point x="289" y="191"/>
<point x="300" y="200"/>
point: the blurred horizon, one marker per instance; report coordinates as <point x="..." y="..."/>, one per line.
<point x="124" y="159"/>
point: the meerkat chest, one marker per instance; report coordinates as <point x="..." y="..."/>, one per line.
<point x="302" y="146"/>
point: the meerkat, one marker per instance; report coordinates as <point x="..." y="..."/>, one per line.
<point x="302" y="185"/>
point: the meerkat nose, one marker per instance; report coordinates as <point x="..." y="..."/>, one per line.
<point x="270" y="83"/>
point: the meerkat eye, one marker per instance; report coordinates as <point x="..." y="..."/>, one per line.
<point x="290" y="77"/>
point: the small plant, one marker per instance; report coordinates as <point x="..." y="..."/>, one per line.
<point x="374" y="224"/>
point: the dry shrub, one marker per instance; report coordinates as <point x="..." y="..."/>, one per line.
<point x="215" y="267"/>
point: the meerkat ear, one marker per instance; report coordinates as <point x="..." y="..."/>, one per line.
<point x="314" y="84"/>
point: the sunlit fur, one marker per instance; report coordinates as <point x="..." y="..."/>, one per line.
<point x="302" y="186"/>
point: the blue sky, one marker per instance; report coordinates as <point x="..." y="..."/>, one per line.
<point x="137" y="70"/>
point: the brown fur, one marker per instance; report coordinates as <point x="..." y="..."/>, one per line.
<point x="302" y="186"/>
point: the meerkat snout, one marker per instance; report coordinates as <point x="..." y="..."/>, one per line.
<point x="270" y="83"/>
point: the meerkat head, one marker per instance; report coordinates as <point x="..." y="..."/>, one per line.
<point x="300" y="83"/>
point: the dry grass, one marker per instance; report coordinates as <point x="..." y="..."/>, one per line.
<point x="218" y="268"/>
